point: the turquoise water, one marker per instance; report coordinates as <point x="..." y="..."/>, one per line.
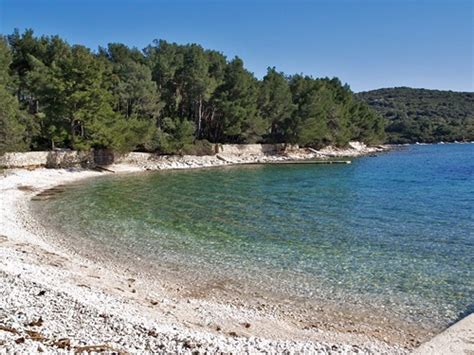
<point x="395" y="231"/>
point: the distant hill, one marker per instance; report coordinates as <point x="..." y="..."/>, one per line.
<point x="421" y="115"/>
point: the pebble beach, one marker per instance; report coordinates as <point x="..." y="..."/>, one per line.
<point x="53" y="300"/>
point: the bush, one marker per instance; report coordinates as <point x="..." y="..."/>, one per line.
<point x="202" y="147"/>
<point x="175" y="135"/>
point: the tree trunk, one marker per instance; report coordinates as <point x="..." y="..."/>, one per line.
<point x="199" y="118"/>
<point x="72" y="133"/>
<point x="215" y="125"/>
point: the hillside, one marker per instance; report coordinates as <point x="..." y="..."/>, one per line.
<point x="421" y="115"/>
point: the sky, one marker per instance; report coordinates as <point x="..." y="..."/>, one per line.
<point x="368" y="44"/>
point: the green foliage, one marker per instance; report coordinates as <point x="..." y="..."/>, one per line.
<point x="175" y="135"/>
<point x="187" y="78"/>
<point x="201" y="147"/>
<point x="367" y="126"/>
<point x="308" y="123"/>
<point x="170" y="98"/>
<point x="120" y="134"/>
<point x="72" y="91"/>
<point x="276" y="104"/>
<point x="326" y="113"/>
<point x="15" y="125"/>
<point x="236" y="117"/>
<point x="135" y="93"/>
<point x="72" y="96"/>
<point x="420" y="115"/>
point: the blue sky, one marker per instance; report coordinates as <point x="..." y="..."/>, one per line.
<point x="366" y="43"/>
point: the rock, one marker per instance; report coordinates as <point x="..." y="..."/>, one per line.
<point x="36" y="323"/>
<point x="63" y="343"/>
<point x="34" y="335"/>
<point x="8" y="329"/>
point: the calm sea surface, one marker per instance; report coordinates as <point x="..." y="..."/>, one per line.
<point x="395" y="231"/>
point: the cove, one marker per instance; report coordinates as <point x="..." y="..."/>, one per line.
<point x="393" y="232"/>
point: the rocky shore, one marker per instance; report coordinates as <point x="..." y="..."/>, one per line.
<point x="227" y="154"/>
<point x="54" y="301"/>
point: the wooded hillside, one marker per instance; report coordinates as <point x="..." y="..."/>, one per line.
<point x="421" y="115"/>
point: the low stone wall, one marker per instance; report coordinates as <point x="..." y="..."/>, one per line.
<point x="67" y="159"/>
<point x="49" y="159"/>
<point x="136" y="158"/>
<point x="71" y="158"/>
<point x="20" y="160"/>
<point x="254" y="149"/>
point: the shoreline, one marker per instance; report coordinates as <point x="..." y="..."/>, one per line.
<point x="157" y="322"/>
<point x="228" y="155"/>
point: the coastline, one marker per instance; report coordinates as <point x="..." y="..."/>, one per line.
<point x="87" y="304"/>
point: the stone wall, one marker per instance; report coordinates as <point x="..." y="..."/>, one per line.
<point x="136" y="158"/>
<point x="71" y="158"/>
<point x="19" y="160"/>
<point x="49" y="159"/>
<point x="254" y="149"/>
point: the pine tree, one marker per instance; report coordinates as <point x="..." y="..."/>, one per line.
<point x="14" y="123"/>
<point x="276" y="104"/>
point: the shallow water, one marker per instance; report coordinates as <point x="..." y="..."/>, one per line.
<point x="393" y="232"/>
